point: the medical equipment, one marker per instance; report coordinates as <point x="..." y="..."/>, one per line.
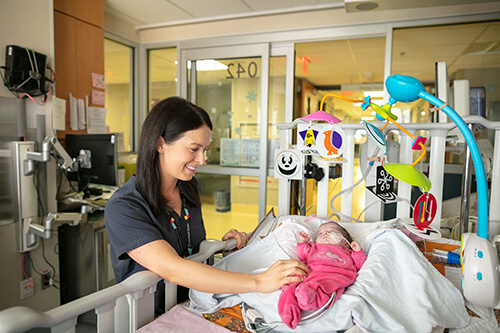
<point x="334" y="236"/>
<point x="446" y="257"/>
<point x="24" y="167"/>
<point x="254" y="321"/>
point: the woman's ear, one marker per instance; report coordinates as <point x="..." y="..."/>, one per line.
<point x="160" y="144"/>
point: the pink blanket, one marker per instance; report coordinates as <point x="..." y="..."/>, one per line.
<point x="181" y="320"/>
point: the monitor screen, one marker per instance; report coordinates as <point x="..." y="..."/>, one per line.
<point x="103" y="167"/>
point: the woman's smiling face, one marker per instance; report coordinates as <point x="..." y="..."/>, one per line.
<point x="179" y="160"/>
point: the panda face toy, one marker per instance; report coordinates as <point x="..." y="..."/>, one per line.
<point x="287" y="164"/>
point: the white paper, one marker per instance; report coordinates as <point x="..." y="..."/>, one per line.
<point x="59" y="114"/>
<point x="229" y="151"/>
<point x="73" y="113"/>
<point x="96" y="120"/>
<point x="81" y="114"/>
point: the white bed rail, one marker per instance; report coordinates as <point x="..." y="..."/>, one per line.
<point x="139" y="292"/>
<point x="437" y="132"/>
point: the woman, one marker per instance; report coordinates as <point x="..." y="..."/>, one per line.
<point x="155" y="219"/>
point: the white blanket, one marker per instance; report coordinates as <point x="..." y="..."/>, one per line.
<point x="397" y="289"/>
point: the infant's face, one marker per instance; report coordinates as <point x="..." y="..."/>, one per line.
<point x="330" y="233"/>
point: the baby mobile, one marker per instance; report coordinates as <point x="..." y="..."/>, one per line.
<point x="330" y="144"/>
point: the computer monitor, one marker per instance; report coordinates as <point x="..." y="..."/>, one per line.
<point x="103" y="169"/>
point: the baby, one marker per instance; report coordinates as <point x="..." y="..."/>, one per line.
<point x="334" y="261"/>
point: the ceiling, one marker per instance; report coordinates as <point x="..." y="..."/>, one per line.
<point x="335" y="63"/>
<point x="153" y="12"/>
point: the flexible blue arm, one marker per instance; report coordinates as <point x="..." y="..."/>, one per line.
<point x="482" y="186"/>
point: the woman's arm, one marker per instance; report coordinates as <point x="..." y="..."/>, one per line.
<point x="160" y="258"/>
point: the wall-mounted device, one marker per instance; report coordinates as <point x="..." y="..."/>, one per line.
<point x="25" y="71"/>
<point x="30" y="226"/>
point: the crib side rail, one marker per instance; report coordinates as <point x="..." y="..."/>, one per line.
<point x="64" y="317"/>
<point x="139" y="290"/>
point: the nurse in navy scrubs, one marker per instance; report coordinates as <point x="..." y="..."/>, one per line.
<point x="154" y="221"/>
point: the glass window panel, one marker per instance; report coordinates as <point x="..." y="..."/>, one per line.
<point x="346" y="68"/>
<point x="118" y="78"/>
<point x="229" y="90"/>
<point x="162" y="79"/>
<point x="228" y="202"/>
<point x="471" y="52"/>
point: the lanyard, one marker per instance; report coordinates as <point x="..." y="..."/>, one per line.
<point x="174" y="226"/>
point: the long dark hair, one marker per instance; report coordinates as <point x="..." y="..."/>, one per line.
<point x="169" y="119"/>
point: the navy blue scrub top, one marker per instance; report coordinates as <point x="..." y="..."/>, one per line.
<point x="130" y="224"/>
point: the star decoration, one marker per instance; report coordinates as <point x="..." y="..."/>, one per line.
<point x="252" y="96"/>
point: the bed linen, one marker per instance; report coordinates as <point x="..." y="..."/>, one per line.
<point x="397" y="289"/>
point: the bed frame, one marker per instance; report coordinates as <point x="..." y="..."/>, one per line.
<point x="134" y="297"/>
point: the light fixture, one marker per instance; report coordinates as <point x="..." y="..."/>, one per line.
<point x="207" y="65"/>
<point x="374" y="94"/>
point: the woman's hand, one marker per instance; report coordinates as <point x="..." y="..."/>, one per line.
<point x="241" y="237"/>
<point x="280" y="273"/>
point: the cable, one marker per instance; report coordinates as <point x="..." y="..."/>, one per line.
<point x="296" y="197"/>
<point x="40" y="274"/>
<point x="32" y="264"/>
<point x="22" y="268"/>
<point x="376" y="202"/>
<point x="47" y="95"/>
<point x="35" y="184"/>
<point x="45" y="258"/>
<point x="363" y="177"/>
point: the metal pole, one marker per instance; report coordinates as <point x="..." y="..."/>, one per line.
<point x="22" y="126"/>
<point x="466" y="188"/>
<point x="41" y="167"/>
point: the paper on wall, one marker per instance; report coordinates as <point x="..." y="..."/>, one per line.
<point x="96" y="120"/>
<point x="98" y="97"/>
<point x="73" y="113"/>
<point x="81" y="114"/>
<point x="59" y="114"/>
<point x="98" y="80"/>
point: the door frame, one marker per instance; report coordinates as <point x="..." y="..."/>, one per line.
<point x="261" y="50"/>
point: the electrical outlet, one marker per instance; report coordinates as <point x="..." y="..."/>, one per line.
<point x="45" y="280"/>
<point x="27" y="288"/>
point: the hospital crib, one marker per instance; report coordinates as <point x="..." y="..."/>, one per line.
<point x="134" y="297"/>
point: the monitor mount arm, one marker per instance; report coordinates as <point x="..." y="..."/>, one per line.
<point x="52" y="146"/>
<point x="31" y="225"/>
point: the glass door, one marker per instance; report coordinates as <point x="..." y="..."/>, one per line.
<point x="231" y="84"/>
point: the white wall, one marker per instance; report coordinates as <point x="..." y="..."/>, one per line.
<point x="27" y="23"/>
